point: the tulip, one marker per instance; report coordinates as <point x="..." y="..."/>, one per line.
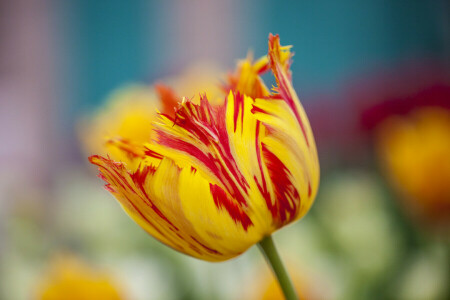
<point x="218" y="179"/>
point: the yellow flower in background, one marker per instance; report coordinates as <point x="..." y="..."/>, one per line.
<point x="124" y="123"/>
<point x="201" y="77"/>
<point x="126" y="118"/>
<point x="219" y="178"/>
<point x="69" y="278"/>
<point x="415" y="150"/>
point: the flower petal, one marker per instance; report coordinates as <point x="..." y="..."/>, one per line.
<point x="246" y="79"/>
<point x="180" y="208"/>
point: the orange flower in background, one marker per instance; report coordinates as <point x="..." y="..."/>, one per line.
<point x="265" y="287"/>
<point x="69" y="278"/>
<point x="217" y="179"/>
<point x="415" y="150"/>
<point x="272" y="290"/>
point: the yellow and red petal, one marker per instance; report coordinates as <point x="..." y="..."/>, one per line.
<point x="246" y="79"/>
<point x="180" y="208"/>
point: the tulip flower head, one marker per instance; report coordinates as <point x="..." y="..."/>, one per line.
<point x="217" y="179"/>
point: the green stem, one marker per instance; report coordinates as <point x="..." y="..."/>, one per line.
<point x="273" y="259"/>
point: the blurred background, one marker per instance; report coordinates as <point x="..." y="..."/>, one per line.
<point x="373" y="76"/>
